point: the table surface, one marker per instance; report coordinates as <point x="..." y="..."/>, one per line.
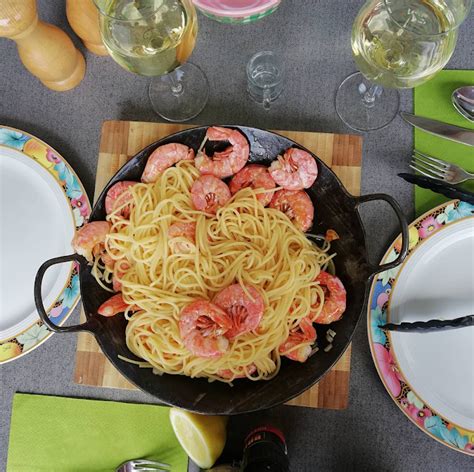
<point x="313" y="38"/>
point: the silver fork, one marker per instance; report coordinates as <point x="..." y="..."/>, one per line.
<point x="438" y="169"/>
<point x="142" y="465"/>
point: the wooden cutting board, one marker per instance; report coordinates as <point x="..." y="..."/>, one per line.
<point x="120" y="141"/>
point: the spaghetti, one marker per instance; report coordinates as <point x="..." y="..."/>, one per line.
<point x="244" y="243"/>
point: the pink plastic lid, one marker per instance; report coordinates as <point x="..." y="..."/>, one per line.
<point x="236" y="8"/>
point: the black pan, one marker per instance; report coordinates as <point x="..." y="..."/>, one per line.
<point x="334" y="208"/>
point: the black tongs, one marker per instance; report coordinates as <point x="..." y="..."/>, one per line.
<point x="439" y="186"/>
<point x="431" y="325"/>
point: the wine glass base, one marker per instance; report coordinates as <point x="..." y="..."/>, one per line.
<point x="352" y="110"/>
<point x="180" y="95"/>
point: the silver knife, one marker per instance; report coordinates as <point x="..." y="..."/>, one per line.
<point x="430" y="325"/>
<point x="438" y="128"/>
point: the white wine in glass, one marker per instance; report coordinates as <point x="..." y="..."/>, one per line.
<point x="396" y="44"/>
<point x="403" y="48"/>
<point x="155" y="38"/>
<point x="149" y="41"/>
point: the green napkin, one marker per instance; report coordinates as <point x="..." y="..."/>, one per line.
<point x="433" y="100"/>
<point x="57" y="434"/>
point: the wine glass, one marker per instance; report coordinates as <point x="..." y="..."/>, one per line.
<point x="155" y="38"/>
<point x="396" y="44"/>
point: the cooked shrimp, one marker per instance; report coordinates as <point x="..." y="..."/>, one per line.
<point x="118" y="196"/>
<point x="202" y="326"/>
<point x="242" y="372"/>
<point x="255" y="176"/>
<point x="303" y="336"/>
<point x="334" y="299"/>
<point x="121" y="268"/>
<point x="182" y="236"/>
<point x="331" y="235"/>
<point x="108" y="261"/>
<point x="209" y="193"/>
<point x="112" y="306"/>
<point x="297" y="205"/>
<point x="295" y="170"/>
<point x="163" y="157"/>
<point x="90" y="239"/>
<point x="245" y="312"/>
<point x="228" y="162"/>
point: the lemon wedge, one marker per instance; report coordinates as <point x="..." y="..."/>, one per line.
<point x="202" y="437"/>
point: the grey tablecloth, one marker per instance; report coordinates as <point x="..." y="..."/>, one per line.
<point x="313" y="38"/>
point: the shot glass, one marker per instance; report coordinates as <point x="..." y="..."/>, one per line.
<point x="265" y="78"/>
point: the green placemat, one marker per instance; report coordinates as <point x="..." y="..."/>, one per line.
<point x="57" y="434"/>
<point x="433" y="100"/>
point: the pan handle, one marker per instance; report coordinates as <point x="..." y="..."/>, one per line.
<point x="87" y="326"/>
<point x="375" y="269"/>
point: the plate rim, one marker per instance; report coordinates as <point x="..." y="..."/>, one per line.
<point x="68" y="181"/>
<point x="401" y="399"/>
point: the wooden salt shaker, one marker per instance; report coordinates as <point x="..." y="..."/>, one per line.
<point x="83" y="17"/>
<point x="45" y="50"/>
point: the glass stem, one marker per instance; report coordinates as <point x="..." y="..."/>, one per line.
<point x="370" y="95"/>
<point x="176" y="85"/>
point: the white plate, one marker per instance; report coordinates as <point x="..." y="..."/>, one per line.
<point x="437" y="281"/>
<point x="41" y="204"/>
<point x="430" y="375"/>
<point x="37" y="224"/>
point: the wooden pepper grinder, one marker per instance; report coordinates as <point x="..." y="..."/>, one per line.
<point x="45" y="50"/>
<point x="83" y="17"/>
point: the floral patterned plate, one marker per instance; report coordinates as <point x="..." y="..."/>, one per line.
<point x="429" y="375"/>
<point x="42" y="203"/>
